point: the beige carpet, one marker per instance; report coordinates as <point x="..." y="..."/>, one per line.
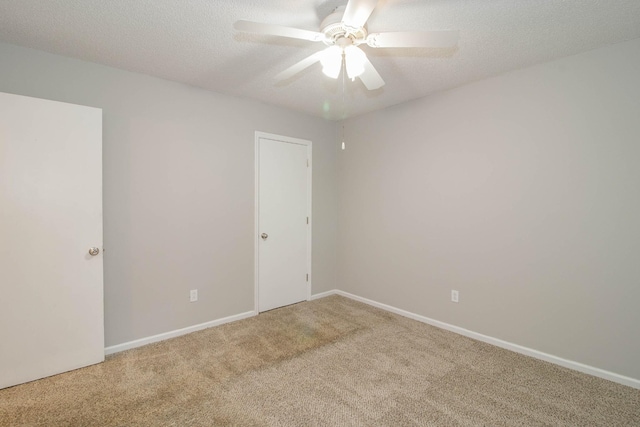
<point x="329" y="362"/>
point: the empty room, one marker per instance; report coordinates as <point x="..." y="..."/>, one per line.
<point x="319" y="213"/>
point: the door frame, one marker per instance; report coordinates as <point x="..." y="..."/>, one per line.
<point x="256" y="240"/>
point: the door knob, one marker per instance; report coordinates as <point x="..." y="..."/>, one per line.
<point x="94" y="251"/>
<point x="264" y="236"/>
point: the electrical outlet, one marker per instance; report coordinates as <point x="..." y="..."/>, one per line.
<point x="454" y="296"/>
<point x="193" y="295"/>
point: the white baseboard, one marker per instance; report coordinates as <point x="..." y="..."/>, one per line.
<point x="323" y="294"/>
<point x="178" y="332"/>
<point x="596" y="372"/>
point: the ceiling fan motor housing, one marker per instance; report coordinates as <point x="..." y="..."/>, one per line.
<point x="334" y="29"/>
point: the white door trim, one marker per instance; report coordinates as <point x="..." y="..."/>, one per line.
<point x="256" y="238"/>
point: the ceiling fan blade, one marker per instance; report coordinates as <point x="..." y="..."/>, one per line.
<point x="297" y="67"/>
<point x="357" y="12"/>
<point x="430" y="39"/>
<point x="370" y="77"/>
<point x="278" y="30"/>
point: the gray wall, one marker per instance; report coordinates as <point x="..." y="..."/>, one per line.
<point x="520" y="191"/>
<point x="178" y="189"/>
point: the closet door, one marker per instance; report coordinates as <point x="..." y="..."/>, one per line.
<point x="284" y="210"/>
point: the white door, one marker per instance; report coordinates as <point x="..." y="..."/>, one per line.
<point x="51" y="296"/>
<point x="284" y="223"/>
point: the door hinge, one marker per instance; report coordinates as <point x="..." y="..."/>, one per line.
<point x="307" y="277"/>
<point x="307" y="220"/>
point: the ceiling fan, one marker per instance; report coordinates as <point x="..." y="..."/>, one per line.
<point x="343" y="31"/>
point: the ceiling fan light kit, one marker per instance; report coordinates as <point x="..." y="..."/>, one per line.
<point x="333" y="56"/>
<point x="343" y="31"/>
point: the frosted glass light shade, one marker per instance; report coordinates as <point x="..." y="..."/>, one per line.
<point x="332" y="61"/>
<point x="354" y="59"/>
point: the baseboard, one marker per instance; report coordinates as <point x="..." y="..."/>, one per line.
<point x="576" y="366"/>
<point x="323" y="294"/>
<point x="178" y="332"/>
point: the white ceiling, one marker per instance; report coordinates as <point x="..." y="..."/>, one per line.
<point x="193" y="41"/>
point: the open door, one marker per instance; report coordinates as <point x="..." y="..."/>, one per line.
<point x="51" y="283"/>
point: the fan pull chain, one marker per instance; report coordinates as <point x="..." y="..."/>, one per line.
<point x="344" y="104"/>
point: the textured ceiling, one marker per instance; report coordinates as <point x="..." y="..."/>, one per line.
<point x="193" y="41"/>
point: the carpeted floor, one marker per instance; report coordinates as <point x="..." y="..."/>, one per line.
<point x="329" y="362"/>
